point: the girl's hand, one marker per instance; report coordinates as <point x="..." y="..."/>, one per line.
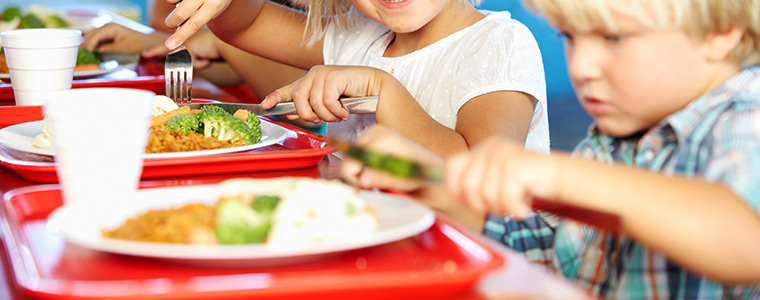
<point x="113" y="37"/>
<point x="384" y="140"/>
<point x="316" y="94"/>
<point x="192" y="15"/>
<point x="500" y="177"/>
<point x="202" y="46"/>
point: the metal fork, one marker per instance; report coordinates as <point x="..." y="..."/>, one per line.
<point x="178" y="74"/>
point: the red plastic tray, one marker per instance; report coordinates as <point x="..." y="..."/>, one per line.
<point x="301" y="149"/>
<point x="440" y="262"/>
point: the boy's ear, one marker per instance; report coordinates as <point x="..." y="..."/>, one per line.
<point x="719" y="44"/>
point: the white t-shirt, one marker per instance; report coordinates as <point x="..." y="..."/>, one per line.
<point x="495" y="54"/>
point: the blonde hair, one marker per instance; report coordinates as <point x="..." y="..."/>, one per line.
<point x="699" y="18"/>
<point x="320" y="12"/>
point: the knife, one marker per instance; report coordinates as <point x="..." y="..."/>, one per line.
<point x="405" y="168"/>
<point x="361" y="105"/>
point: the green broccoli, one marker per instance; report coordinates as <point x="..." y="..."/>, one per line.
<point x="265" y="203"/>
<point x="10" y="13"/>
<point x="213" y="108"/>
<point x="185" y="123"/>
<point x="86" y="57"/>
<point x="255" y="124"/>
<point x="31" y="21"/>
<point x="225" y="127"/>
<point x="237" y="223"/>
<point x="53" y="21"/>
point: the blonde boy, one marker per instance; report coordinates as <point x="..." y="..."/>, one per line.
<point x="674" y="90"/>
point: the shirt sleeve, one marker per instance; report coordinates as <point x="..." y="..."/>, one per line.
<point x="735" y="160"/>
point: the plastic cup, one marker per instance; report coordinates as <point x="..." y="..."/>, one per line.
<point x="99" y="135"/>
<point x="40" y="60"/>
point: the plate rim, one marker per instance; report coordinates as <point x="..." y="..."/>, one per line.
<point x="240" y="253"/>
<point x="279" y="134"/>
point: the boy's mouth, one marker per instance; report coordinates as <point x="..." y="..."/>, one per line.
<point x="595" y="107"/>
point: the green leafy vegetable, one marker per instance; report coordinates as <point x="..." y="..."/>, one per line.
<point x="10" y="13"/>
<point x="31" y="21"/>
<point x="86" y="57"/>
<point x="53" y="21"/>
<point x="265" y="203"/>
<point x="237" y="223"/>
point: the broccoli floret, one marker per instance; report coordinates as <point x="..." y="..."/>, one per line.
<point x="10" y="13"/>
<point x="265" y="203"/>
<point x="213" y="108"/>
<point x="185" y="123"/>
<point x="31" y="21"/>
<point x="237" y="223"/>
<point x="255" y="124"/>
<point x="225" y="127"/>
<point x="53" y="21"/>
<point x="86" y="57"/>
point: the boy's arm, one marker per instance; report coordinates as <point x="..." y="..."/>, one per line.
<point x="701" y="225"/>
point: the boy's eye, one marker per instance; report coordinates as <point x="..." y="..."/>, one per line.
<point x="565" y="35"/>
<point x="615" y="38"/>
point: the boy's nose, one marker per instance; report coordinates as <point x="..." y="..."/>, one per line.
<point x="583" y="62"/>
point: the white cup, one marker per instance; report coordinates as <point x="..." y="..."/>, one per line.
<point x="99" y="135"/>
<point x="40" y="60"/>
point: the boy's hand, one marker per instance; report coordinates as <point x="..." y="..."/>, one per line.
<point x="316" y="94"/>
<point x="192" y="15"/>
<point x="500" y="177"/>
<point x="384" y="140"/>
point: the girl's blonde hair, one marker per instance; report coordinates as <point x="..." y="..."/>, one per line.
<point x="699" y="18"/>
<point x="320" y="12"/>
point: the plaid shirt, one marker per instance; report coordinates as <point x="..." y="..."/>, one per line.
<point x="716" y="137"/>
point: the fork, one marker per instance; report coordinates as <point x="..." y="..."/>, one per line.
<point x="178" y="74"/>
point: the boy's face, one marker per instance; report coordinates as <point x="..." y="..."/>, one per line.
<point x="629" y="80"/>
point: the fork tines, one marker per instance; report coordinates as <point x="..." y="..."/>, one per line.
<point x="178" y="73"/>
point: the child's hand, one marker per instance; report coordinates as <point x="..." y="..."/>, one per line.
<point x="202" y="46"/>
<point x="113" y="37"/>
<point x="500" y="177"/>
<point x="316" y="94"/>
<point x="384" y="140"/>
<point x="192" y="15"/>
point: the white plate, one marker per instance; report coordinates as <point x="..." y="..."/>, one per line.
<point x="112" y="62"/>
<point x="80" y="223"/>
<point x="20" y="136"/>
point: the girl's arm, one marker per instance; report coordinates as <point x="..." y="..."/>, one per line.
<point x="261" y="27"/>
<point x="700" y="225"/>
<point x="503" y="114"/>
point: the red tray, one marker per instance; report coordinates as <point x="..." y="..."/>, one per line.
<point x="301" y="149"/>
<point x="440" y="262"/>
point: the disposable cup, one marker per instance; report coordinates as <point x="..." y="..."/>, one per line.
<point x="40" y="60"/>
<point x="99" y="135"/>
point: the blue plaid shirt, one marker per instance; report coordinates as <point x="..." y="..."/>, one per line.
<point x="716" y="137"/>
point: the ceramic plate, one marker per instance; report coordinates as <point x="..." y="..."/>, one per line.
<point x="80" y="223"/>
<point x="20" y="136"/>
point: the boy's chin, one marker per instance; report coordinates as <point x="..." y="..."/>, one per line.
<point x="619" y="130"/>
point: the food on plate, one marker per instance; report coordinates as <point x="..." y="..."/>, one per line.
<point x="284" y="213"/>
<point x="178" y="129"/>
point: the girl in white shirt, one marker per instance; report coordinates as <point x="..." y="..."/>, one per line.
<point x="447" y="75"/>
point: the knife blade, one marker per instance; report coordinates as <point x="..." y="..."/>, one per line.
<point x="406" y="168"/>
<point x="360" y="105"/>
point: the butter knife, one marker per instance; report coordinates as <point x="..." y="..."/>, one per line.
<point x="405" y="168"/>
<point x="361" y="105"/>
